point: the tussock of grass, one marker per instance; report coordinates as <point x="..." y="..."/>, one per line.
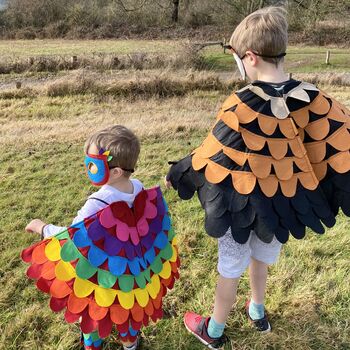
<point x="334" y="79"/>
<point x="159" y="84"/>
<point x="185" y="56"/>
<point x="162" y="85"/>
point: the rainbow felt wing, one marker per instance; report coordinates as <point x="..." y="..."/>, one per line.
<point x="111" y="269"/>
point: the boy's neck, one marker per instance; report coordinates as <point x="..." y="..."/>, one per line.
<point x="272" y="74"/>
<point x="122" y="184"/>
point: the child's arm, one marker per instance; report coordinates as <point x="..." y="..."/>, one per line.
<point x="167" y="183"/>
<point x="36" y="226"/>
<point x="90" y="207"/>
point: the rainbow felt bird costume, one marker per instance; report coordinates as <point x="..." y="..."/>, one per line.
<point x="113" y="268"/>
<point x="276" y="161"/>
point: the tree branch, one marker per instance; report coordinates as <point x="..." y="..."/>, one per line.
<point x="300" y="3"/>
<point x="120" y="2"/>
<point x="231" y="3"/>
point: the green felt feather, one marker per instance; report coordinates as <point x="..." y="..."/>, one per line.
<point x="106" y="279"/>
<point x="141" y="280"/>
<point x="69" y="251"/>
<point x="157" y="265"/>
<point x="126" y="283"/>
<point x="167" y="252"/>
<point x="84" y="269"/>
<point x="171" y="234"/>
<point x="63" y="235"/>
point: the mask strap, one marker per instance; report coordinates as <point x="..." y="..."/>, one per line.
<point x="267" y="56"/>
<point x="229" y="47"/>
<point x="128" y="170"/>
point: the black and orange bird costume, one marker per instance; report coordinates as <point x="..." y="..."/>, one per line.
<point x="276" y="161"/>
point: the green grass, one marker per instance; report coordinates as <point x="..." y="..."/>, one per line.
<point x="42" y="175"/>
<point x="298" y="60"/>
<point x="60" y="47"/>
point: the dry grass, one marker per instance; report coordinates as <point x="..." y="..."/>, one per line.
<point x="184" y="55"/>
<point x="157" y="84"/>
<point x="333" y="79"/>
<point x="100" y="62"/>
<point x="73" y="118"/>
<point x="70" y="107"/>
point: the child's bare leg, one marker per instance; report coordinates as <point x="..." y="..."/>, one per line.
<point x="234" y="259"/>
<point x="258" y="277"/>
<point x="225" y="297"/>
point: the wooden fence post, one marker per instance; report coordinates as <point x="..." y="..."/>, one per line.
<point x="74" y="61"/>
<point x="328" y="55"/>
<point x="116" y="61"/>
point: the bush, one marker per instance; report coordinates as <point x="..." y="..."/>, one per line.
<point x="56" y="30"/>
<point x="110" y="18"/>
<point x="26" y="33"/>
<point x="198" y="19"/>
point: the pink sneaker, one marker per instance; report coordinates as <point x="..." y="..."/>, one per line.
<point x="198" y="326"/>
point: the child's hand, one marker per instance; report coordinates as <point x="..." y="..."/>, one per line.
<point x="167" y="183"/>
<point x="35" y="225"/>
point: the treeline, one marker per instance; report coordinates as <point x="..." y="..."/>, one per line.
<point x="119" y="18"/>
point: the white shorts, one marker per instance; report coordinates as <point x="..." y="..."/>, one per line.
<point x="234" y="258"/>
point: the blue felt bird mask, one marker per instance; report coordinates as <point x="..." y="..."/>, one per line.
<point x="97" y="167"/>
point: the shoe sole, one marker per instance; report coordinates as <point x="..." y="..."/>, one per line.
<point x="136" y="345"/>
<point x="202" y="340"/>
<point x="266" y="330"/>
<point x="269" y="330"/>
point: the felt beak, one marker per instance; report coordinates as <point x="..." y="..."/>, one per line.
<point x="240" y="65"/>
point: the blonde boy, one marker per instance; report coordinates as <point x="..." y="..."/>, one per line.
<point x="265" y="170"/>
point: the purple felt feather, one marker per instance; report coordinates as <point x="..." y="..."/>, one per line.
<point x="112" y="246"/>
<point x="96" y="231"/>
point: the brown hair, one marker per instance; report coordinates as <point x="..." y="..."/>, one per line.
<point x="123" y="144"/>
<point x="264" y="31"/>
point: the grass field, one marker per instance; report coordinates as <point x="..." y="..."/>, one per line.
<point x="42" y="175"/>
<point x="299" y="59"/>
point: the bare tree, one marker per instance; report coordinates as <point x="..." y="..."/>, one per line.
<point x="175" y="14"/>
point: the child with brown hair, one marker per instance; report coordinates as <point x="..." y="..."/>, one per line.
<point x="113" y="265"/>
<point x="276" y="161"/>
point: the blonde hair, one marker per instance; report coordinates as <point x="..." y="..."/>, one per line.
<point x="123" y="144"/>
<point x="264" y="31"/>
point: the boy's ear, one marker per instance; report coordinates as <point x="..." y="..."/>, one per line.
<point x="116" y="172"/>
<point x="252" y="58"/>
